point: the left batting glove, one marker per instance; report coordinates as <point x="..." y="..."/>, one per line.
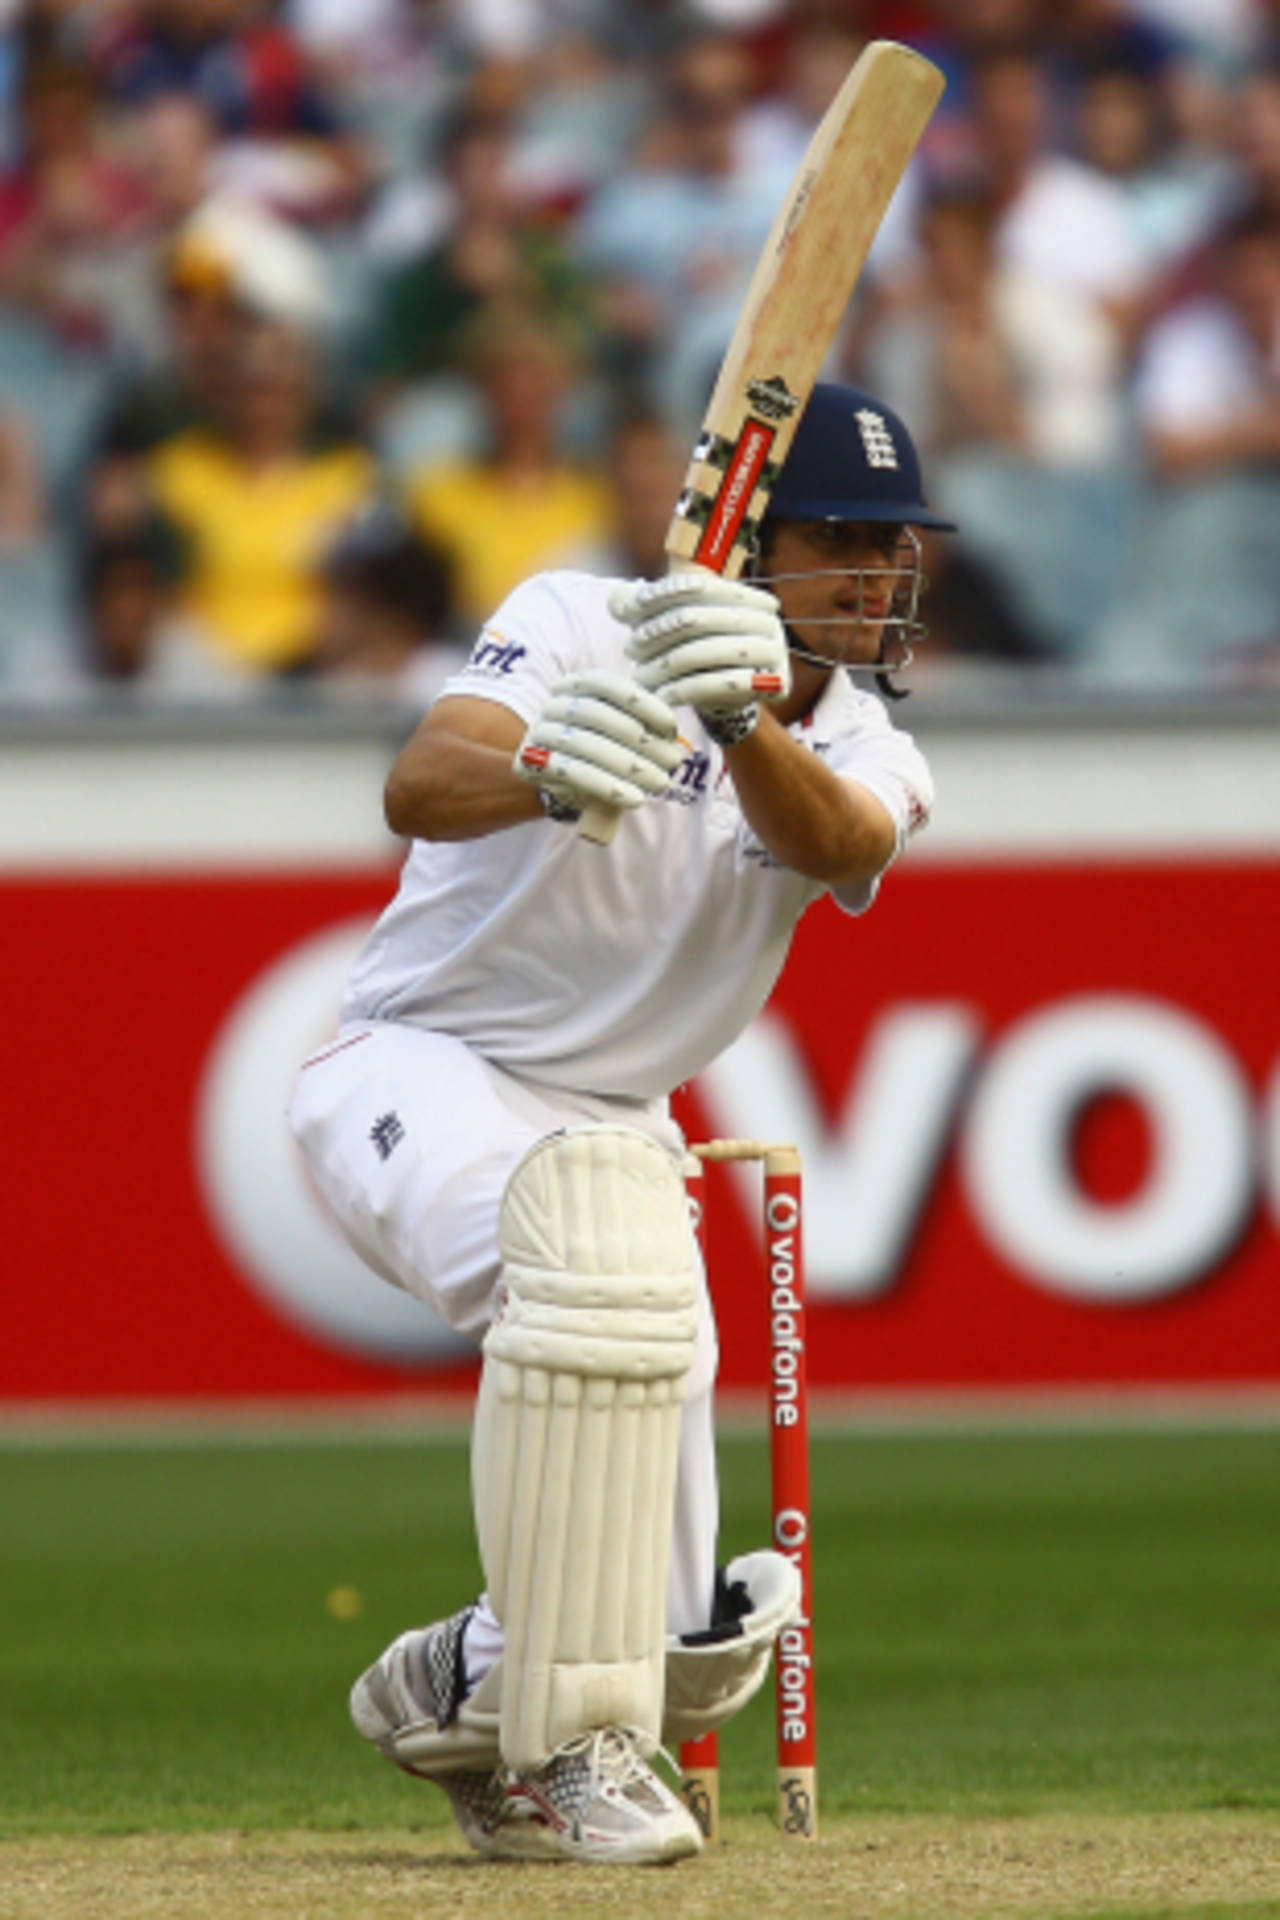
<point x="704" y="642"/>
<point x="600" y="740"/>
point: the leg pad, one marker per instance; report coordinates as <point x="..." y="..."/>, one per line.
<point x="577" y="1431"/>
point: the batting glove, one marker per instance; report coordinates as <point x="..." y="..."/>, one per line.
<point x="600" y="738"/>
<point x="708" y="643"/>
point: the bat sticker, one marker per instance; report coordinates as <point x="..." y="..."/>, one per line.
<point x="772" y="398"/>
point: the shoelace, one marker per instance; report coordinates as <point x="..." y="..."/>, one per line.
<point x="614" y="1752"/>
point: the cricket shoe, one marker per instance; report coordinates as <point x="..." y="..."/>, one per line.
<point x="600" y="1801"/>
<point x="407" y="1702"/>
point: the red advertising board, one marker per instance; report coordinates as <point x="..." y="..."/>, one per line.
<point x="1039" y="1108"/>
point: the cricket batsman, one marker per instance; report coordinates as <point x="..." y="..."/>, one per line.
<point x="491" y="1127"/>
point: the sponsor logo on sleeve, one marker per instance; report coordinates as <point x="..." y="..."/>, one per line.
<point x="494" y="655"/>
<point x="691" y="780"/>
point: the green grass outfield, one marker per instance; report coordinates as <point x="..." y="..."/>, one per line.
<point x="1020" y="1626"/>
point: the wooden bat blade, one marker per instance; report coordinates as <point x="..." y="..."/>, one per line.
<point x="801" y="286"/>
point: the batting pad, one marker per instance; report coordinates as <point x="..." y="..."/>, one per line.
<point x="576" y="1434"/>
<point x="712" y="1675"/>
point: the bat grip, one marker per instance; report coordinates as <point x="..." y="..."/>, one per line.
<point x="599" y="823"/>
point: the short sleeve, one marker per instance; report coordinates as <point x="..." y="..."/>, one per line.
<point x="889" y="765"/>
<point x="531" y="642"/>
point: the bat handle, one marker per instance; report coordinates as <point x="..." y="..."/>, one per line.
<point x="599" y="823"/>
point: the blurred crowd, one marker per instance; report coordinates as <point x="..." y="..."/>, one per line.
<point x="324" y="322"/>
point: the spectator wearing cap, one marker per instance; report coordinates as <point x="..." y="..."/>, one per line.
<point x="183" y="389"/>
<point x="225" y="264"/>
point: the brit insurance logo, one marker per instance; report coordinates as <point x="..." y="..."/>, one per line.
<point x="493" y="654"/>
<point x="689" y="781"/>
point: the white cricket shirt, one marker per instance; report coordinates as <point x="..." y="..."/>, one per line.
<point x="619" y="970"/>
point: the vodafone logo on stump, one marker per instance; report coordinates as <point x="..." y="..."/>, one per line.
<point x="786" y="1341"/>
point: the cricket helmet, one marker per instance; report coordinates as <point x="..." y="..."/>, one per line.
<point x="852" y="459"/>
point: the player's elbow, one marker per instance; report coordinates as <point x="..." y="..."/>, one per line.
<point x="855" y="861"/>
<point x="838" y="859"/>
<point x="395" y="804"/>
<point x="860" y="841"/>
<point x="847" y="839"/>
<point x="407" y="804"/>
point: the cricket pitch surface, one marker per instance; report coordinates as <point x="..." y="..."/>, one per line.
<point x="1222" y="1865"/>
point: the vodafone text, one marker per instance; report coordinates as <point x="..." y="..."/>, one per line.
<point x="794" y="1656"/>
<point x="795" y="1664"/>
<point x="786" y="1348"/>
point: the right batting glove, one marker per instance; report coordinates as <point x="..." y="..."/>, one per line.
<point x="708" y="643"/>
<point x="600" y="739"/>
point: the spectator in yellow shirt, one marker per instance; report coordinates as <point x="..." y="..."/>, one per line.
<point x="256" y="500"/>
<point x="522" y="507"/>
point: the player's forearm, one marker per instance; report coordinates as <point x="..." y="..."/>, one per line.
<point x="445" y="788"/>
<point x="808" y="818"/>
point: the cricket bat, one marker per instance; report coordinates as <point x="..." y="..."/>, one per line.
<point x="797" y="296"/>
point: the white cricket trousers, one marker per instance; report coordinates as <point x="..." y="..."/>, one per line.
<point x="411" y="1138"/>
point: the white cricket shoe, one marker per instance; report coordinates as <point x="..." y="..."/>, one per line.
<point x="596" y="1799"/>
<point x="602" y="1802"/>
<point x="416" y="1685"/>
<point x="414" y="1689"/>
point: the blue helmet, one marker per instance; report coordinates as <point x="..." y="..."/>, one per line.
<point x="852" y="459"/>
